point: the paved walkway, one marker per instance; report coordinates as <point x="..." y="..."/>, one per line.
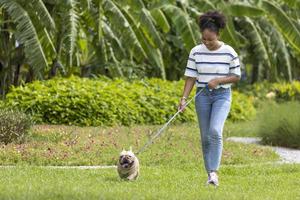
<point x="287" y="155"/>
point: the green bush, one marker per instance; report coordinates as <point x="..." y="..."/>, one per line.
<point x="242" y="107"/>
<point x="287" y="91"/>
<point x="279" y="124"/>
<point x="95" y="102"/>
<point x="257" y="90"/>
<point x="282" y="91"/>
<point x="14" y="125"/>
<point x="2" y="104"/>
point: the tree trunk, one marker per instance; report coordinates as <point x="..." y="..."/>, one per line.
<point x="17" y="75"/>
<point x="6" y="62"/>
<point x="254" y="73"/>
<point x="53" y="70"/>
<point x="29" y="76"/>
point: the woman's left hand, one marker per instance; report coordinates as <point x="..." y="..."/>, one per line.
<point x="212" y="84"/>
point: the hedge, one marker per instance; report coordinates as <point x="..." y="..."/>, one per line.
<point x="102" y="101"/>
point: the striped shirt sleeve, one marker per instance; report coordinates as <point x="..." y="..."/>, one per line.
<point x="191" y="70"/>
<point x="235" y="68"/>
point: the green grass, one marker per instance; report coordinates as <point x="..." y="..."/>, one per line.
<point x="172" y="168"/>
<point x="161" y="182"/>
<point x="241" y="129"/>
<point x="279" y="124"/>
<point x="65" y="145"/>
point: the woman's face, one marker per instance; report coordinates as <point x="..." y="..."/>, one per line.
<point x="210" y="39"/>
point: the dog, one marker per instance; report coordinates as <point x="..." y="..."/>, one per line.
<point x="128" y="166"/>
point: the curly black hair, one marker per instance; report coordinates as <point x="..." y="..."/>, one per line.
<point x="212" y="20"/>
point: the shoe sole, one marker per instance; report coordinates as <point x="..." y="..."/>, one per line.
<point x="212" y="183"/>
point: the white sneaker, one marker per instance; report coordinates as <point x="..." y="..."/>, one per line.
<point x="208" y="180"/>
<point x="213" y="179"/>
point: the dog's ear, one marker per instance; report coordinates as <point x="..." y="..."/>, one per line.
<point x="123" y="152"/>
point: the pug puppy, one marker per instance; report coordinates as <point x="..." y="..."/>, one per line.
<point x="128" y="165"/>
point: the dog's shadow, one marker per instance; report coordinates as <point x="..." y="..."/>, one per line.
<point x="117" y="179"/>
<point x="112" y="179"/>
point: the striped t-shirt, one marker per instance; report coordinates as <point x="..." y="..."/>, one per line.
<point x="205" y="64"/>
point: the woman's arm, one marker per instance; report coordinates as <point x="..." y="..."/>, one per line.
<point x="188" y="86"/>
<point x="223" y="80"/>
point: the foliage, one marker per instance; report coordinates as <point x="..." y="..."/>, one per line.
<point x="280" y="91"/>
<point x="280" y="124"/>
<point x="41" y="39"/>
<point x="14" y="125"/>
<point x="103" y="101"/>
<point x="287" y="91"/>
<point x="99" y="102"/>
<point x="2" y="104"/>
<point x="242" y="107"/>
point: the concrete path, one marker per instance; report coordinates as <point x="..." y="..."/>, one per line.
<point x="287" y="155"/>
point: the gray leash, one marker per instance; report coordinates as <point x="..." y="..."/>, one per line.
<point x="167" y="124"/>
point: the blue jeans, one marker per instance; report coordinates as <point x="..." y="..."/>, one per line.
<point x="212" y="109"/>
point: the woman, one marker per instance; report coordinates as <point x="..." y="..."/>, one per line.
<point x="212" y="65"/>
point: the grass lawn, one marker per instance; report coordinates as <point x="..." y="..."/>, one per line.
<point x="266" y="182"/>
<point x="179" y="144"/>
<point x="172" y="168"/>
<point x="241" y="129"/>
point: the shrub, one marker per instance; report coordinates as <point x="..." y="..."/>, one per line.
<point x="14" y="125"/>
<point x="257" y="90"/>
<point x="279" y="124"/>
<point x="242" y="107"/>
<point x="287" y="91"/>
<point x="2" y="104"/>
<point x="283" y="91"/>
<point x="94" y="102"/>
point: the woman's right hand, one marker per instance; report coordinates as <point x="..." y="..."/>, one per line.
<point x="181" y="105"/>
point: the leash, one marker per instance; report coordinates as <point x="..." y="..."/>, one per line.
<point x="167" y="124"/>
